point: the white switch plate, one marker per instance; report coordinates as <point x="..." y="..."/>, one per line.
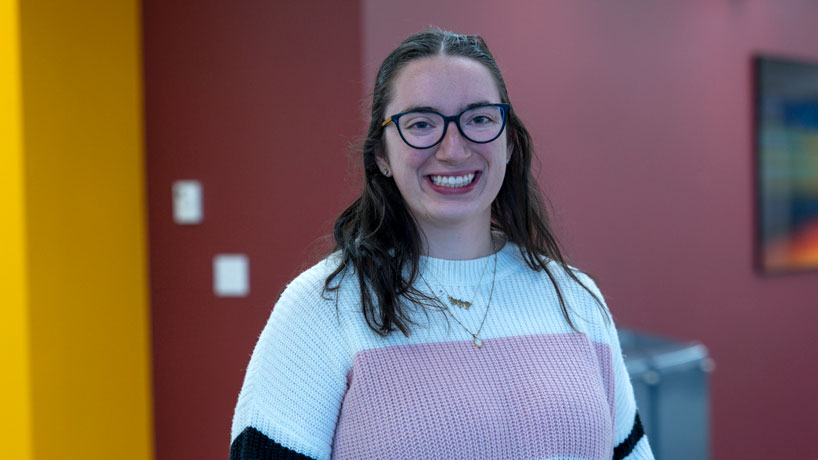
<point x="231" y="275"/>
<point x="187" y="202"/>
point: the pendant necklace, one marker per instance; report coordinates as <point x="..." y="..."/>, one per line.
<point x="475" y="335"/>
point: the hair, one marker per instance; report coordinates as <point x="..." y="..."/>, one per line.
<point x="377" y="235"/>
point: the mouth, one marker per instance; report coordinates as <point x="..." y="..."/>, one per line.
<point x="453" y="181"/>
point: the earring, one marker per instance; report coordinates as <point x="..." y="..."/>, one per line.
<point x="386" y="172"/>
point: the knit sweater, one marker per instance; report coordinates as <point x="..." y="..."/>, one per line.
<point x="322" y="385"/>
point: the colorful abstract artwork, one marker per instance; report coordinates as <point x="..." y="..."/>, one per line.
<point x="787" y="172"/>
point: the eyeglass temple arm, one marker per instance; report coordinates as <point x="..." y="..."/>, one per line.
<point x="386" y="122"/>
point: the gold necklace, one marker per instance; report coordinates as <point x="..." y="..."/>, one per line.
<point x="477" y="341"/>
<point x="454" y="300"/>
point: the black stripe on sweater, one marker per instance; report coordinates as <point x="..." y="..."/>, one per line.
<point x="252" y="444"/>
<point x="626" y="447"/>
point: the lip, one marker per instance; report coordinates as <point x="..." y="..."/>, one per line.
<point x="453" y="190"/>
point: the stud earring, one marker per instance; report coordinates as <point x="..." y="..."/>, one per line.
<point x="386" y="172"/>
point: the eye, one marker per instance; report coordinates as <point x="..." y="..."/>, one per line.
<point x="418" y="122"/>
<point x="482" y="117"/>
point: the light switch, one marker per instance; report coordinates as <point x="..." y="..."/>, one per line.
<point x="187" y="202"/>
<point x="231" y="275"/>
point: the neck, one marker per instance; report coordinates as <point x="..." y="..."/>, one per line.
<point x="459" y="243"/>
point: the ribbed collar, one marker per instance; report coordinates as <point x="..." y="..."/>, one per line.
<point x="467" y="272"/>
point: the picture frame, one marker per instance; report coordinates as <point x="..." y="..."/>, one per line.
<point x="786" y="130"/>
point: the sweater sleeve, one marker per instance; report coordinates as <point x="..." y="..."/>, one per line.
<point x="630" y="440"/>
<point x="629" y="437"/>
<point x="291" y="396"/>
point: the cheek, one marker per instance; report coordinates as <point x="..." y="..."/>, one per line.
<point x="500" y="165"/>
<point x="407" y="161"/>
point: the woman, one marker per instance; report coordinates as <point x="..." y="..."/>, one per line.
<point x="446" y="324"/>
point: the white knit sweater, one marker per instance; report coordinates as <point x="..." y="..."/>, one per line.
<point x="321" y="384"/>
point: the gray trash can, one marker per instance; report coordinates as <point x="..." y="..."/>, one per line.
<point x="670" y="383"/>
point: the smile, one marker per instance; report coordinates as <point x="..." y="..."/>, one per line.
<point x="452" y="181"/>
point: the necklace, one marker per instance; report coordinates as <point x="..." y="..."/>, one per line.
<point x="454" y="300"/>
<point x="475" y="335"/>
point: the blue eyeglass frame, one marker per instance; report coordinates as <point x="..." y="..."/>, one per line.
<point x="505" y="109"/>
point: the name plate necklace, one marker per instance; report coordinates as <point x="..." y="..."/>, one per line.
<point x="454" y="301"/>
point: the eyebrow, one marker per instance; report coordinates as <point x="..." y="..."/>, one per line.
<point x="435" y="109"/>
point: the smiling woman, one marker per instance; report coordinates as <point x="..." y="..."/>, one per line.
<point x="360" y="358"/>
<point x="430" y="163"/>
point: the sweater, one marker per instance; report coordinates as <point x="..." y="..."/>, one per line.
<point x="322" y="385"/>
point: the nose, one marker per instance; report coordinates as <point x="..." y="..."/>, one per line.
<point x="454" y="147"/>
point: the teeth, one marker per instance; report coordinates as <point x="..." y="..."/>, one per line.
<point x="453" y="181"/>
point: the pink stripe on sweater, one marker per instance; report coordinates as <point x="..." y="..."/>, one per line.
<point x="528" y="397"/>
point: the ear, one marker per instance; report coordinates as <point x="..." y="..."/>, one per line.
<point x="383" y="162"/>
<point x="510" y="150"/>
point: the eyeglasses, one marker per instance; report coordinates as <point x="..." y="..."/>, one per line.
<point x="423" y="129"/>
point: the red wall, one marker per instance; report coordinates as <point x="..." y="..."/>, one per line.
<point x="258" y="100"/>
<point x="642" y="114"/>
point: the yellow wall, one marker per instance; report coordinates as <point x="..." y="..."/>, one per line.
<point x="77" y="319"/>
<point x="15" y="424"/>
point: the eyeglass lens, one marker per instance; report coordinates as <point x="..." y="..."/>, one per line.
<point x="424" y="129"/>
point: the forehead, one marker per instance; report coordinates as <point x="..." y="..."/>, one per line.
<point x="446" y="83"/>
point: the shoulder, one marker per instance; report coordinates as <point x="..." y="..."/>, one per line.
<point x="314" y="277"/>
<point x="578" y="290"/>
<point x="305" y="308"/>
<point x="309" y="286"/>
<point x="569" y="279"/>
<point x="592" y="315"/>
<point x="583" y="298"/>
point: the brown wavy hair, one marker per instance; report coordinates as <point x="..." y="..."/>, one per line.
<point x="377" y="235"/>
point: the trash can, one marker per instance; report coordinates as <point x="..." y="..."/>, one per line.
<point x="670" y="382"/>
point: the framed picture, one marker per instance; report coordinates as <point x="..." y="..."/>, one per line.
<point x="787" y="164"/>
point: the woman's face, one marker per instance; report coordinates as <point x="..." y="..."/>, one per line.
<point x="447" y="85"/>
